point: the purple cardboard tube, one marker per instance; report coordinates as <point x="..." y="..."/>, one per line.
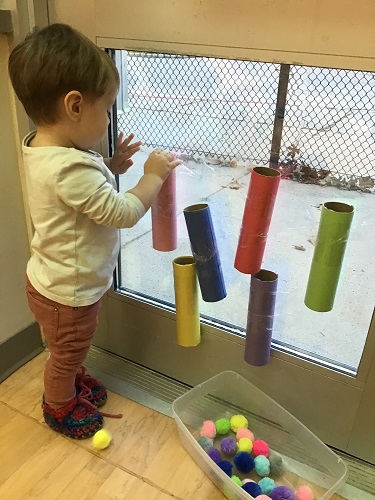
<point x="262" y="300"/>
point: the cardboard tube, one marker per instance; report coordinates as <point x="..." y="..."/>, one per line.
<point x="264" y="183"/>
<point x="204" y="248"/>
<point x="333" y="233"/>
<point x="164" y="216"/>
<point x="260" y="316"/>
<point x="186" y="297"/>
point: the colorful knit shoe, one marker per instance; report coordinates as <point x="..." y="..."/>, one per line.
<point x="90" y="388"/>
<point x="78" y="419"/>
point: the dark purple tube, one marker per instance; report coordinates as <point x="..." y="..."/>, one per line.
<point x="203" y="246"/>
<point x="261" y="310"/>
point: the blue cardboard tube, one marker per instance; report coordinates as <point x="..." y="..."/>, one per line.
<point x="203" y="245"/>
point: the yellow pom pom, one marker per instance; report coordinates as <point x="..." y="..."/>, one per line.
<point x="101" y="439"/>
<point x="238" y="422"/>
<point x="245" y="444"/>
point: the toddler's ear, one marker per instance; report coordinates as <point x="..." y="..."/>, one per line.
<point x="73" y="105"/>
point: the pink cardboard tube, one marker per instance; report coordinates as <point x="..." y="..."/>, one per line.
<point x="164" y="216"/>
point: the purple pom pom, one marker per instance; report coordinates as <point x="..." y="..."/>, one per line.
<point x="244" y="462"/>
<point x="214" y="454"/>
<point x="226" y="467"/>
<point x="282" y="493"/>
<point x="253" y="489"/>
<point x="229" y="446"/>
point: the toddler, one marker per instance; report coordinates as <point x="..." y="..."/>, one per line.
<point x="67" y="86"/>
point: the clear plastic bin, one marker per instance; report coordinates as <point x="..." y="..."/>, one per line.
<point x="306" y="459"/>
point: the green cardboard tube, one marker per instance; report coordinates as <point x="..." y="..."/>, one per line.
<point x="333" y="233"/>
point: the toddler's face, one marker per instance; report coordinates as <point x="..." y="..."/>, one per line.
<point x="95" y="119"/>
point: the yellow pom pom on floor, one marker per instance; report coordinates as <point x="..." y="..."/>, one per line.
<point x="101" y="439"/>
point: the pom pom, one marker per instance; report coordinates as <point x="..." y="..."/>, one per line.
<point x="237" y="480"/>
<point x="226" y="467"/>
<point x="262" y="465"/>
<point x="206" y="443"/>
<point x="222" y="426"/>
<point x="208" y="429"/>
<point x="101" y="439"/>
<point x="244" y="444"/>
<point x="304" y="493"/>
<point x="267" y="485"/>
<point x="238" y="422"/>
<point x="244" y="433"/>
<point x="282" y="493"/>
<point x="229" y="446"/>
<point x="276" y="463"/>
<point x="260" y="448"/>
<point x="244" y="462"/>
<point x="264" y="497"/>
<point x="253" y="489"/>
<point x="214" y="454"/>
<point x="247" y="480"/>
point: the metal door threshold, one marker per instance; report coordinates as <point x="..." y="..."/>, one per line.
<point x="157" y="392"/>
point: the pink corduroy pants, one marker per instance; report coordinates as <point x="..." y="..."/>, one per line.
<point x="68" y="332"/>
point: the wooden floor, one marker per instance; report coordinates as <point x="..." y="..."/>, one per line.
<point x="145" y="461"/>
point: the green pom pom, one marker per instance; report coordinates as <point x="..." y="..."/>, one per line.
<point x="222" y="426"/>
<point x="236" y="480"/>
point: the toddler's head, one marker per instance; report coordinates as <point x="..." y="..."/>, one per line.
<point x="61" y="77"/>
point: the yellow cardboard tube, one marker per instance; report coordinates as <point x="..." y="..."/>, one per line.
<point x="187" y="306"/>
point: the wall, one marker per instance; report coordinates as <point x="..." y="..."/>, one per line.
<point x="334" y="33"/>
<point x="14" y="245"/>
<point x="20" y="337"/>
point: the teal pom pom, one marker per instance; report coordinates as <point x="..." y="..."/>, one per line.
<point x="206" y="443"/>
<point x="267" y="484"/>
<point x="262" y="465"/>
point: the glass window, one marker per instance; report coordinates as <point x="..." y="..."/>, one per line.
<point x="218" y="115"/>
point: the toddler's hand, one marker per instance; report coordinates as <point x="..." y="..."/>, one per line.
<point x="161" y="163"/>
<point x="120" y="161"/>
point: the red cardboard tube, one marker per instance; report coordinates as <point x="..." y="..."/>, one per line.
<point x="164" y="216"/>
<point x="261" y="197"/>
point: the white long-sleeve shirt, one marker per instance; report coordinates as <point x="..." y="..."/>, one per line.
<point x="77" y="212"/>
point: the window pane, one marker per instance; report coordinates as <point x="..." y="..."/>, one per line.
<point x="220" y="114"/>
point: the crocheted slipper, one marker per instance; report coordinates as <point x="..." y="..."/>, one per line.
<point x="90" y="388"/>
<point x="78" y="419"/>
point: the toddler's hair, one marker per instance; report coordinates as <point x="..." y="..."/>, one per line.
<point x="53" y="61"/>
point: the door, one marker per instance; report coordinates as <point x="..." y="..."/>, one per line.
<point x="320" y="370"/>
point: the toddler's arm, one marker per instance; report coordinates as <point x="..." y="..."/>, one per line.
<point x="84" y="188"/>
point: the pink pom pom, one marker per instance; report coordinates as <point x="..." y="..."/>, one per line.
<point x="304" y="493"/>
<point x="244" y="433"/>
<point x="264" y="497"/>
<point x="260" y="447"/>
<point x="246" y="480"/>
<point x="208" y="429"/>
